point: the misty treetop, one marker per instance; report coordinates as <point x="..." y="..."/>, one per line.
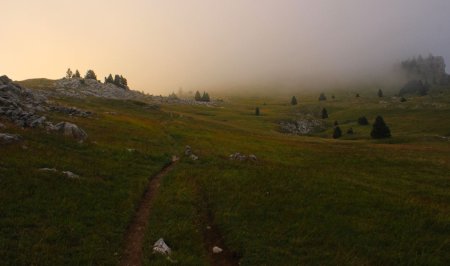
<point x="430" y="70"/>
<point x="415" y="87"/>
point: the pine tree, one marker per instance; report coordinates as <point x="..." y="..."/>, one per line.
<point x="324" y="113"/>
<point x="350" y="131"/>
<point x="380" y="130"/>
<point x="257" y="111"/>
<point x="197" y="96"/>
<point x="337" y="132"/>
<point x="322" y="97"/>
<point x="69" y="73"/>
<point x="77" y="74"/>
<point x="293" y="100"/>
<point x="90" y="74"/>
<point x="109" y="79"/>
<point x="336" y="123"/>
<point x="205" y="97"/>
<point x="380" y="93"/>
<point x="357" y="95"/>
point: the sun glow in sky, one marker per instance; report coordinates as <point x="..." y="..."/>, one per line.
<point x="162" y="45"/>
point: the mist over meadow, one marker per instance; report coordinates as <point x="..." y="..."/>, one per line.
<point x="164" y="45"/>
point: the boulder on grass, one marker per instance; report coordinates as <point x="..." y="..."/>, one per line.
<point x="71" y="130"/>
<point x="6" y="138"/>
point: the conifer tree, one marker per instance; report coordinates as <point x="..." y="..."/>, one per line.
<point x="380" y="130"/>
<point x="90" y="74"/>
<point x="77" y="74"/>
<point x="380" y="93"/>
<point x="109" y="79"/>
<point x="197" y="96"/>
<point x="69" y="73"/>
<point x="337" y="132"/>
<point x="324" y="113"/>
<point x="322" y="97"/>
<point x="205" y="97"/>
<point x="257" y="111"/>
<point x="293" y="100"/>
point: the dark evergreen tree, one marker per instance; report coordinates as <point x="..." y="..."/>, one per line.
<point x="109" y="79"/>
<point x="124" y="81"/>
<point x="117" y="80"/>
<point x="363" y="121"/>
<point x="336" y="123"/>
<point x="205" y="97"/>
<point x="257" y="111"/>
<point x="77" y="74"/>
<point x="69" y="73"/>
<point x="415" y="87"/>
<point x="90" y="74"/>
<point x="380" y="93"/>
<point x="380" y="130"/>
<point x="293" y="100"/>
<point x="197" y="96"/>
<point x="357" y="95"/>
<point x="322" y="97"/>
<point x="324" y="113"/>
<point x="333" y="97"/>
<point x="403" y="99"/>
<point x="337" y="132"/>
<point x="350" y="131"/>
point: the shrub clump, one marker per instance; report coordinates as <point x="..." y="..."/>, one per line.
<point x="363" y="121"/>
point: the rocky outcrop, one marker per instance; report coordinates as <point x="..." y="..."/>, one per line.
<point x="71" y="111"/>
<point x="188" y="152"/>
<point x="6" y="138"/>
<point x="21" y="105"/>
<point x="242" y="157"/>
<point x="81" y="88"/>
<point x="302" y="126"/>
<point x="25" y="107"/>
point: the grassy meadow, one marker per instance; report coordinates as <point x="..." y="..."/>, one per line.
<point x="307" y="200"/>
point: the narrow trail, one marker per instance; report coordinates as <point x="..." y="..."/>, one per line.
<point x="134" y="237"/>
<point x="213" y="238"/>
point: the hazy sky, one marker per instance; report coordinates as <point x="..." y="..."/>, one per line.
<point x="160" y="45"/>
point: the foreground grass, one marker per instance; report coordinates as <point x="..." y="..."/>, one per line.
<point x="48" y="219"/>
<point x="311" y="201"/>
<point x="307" y="200"/>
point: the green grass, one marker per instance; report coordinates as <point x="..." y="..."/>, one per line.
<point x="308" y="200"/>
<point x="47" y="219"/>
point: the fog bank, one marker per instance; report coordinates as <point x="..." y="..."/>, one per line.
<point x="160" y="46"/>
